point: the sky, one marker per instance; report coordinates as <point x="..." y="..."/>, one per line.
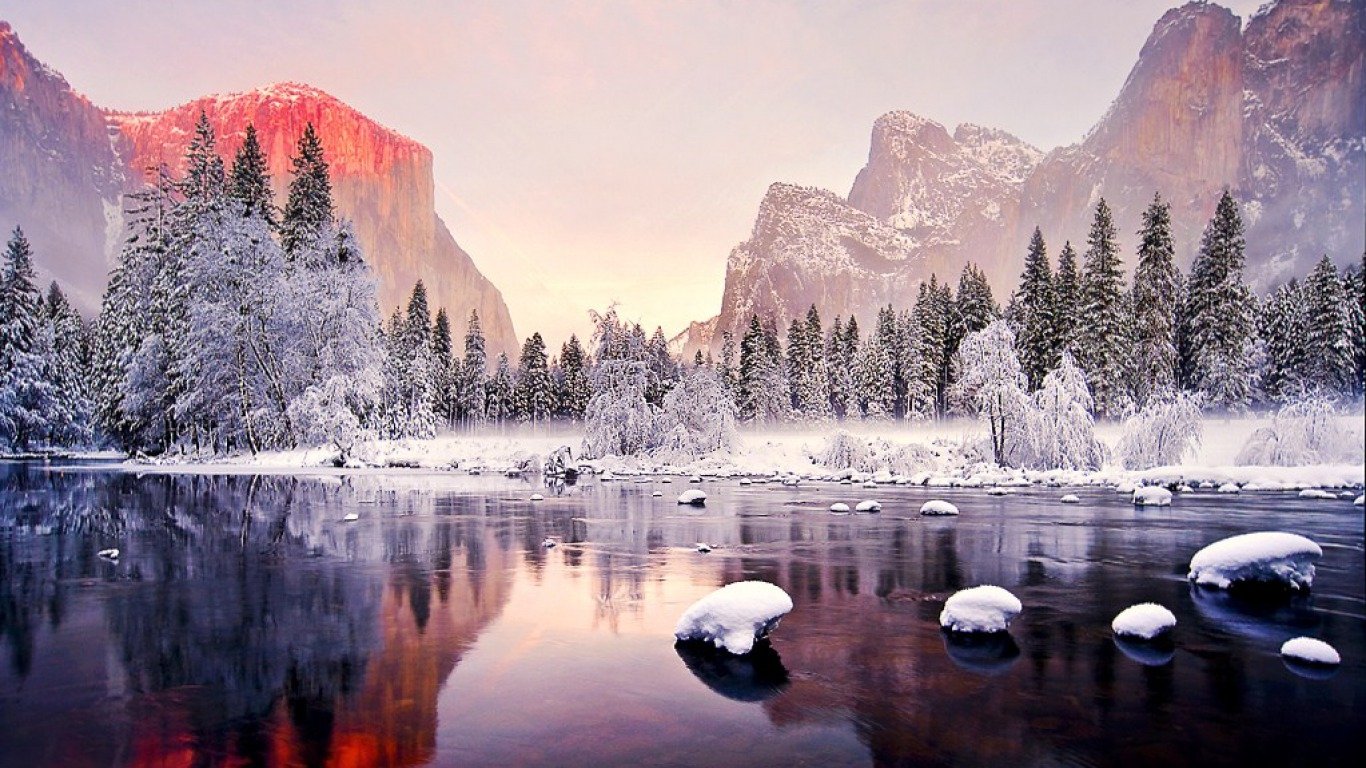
<point x="597" y="153"/>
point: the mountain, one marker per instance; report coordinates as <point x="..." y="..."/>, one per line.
<point x="67" y="163"/>
<point x="1275" y="111"/>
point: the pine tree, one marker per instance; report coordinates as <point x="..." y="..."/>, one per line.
<point x="1034" y="302"/>
<point x="813" y="391"/>
<point x="1284" y="325"/>
<point x="974" y="309"/>
<point x="836" y="371"/>
<point x="1103" y="339"/>
<point x="729" y="374"/>
<point x="500" y="388"/>
<point x="798" y="359"/>
<point x="1219" y="333"/>
<point x="575" y="390"/>
<point x="1354" y="288"/>
<point x="923" y="381"/>
<point x="1066" y="301"/>
<point x="249" y="182"/>
<point x="663" y="369"/>
<point x="474" y="372"/>
<point x="23" y="392"/>
<point x="1157" y="289"/>
<point x="874" y="379"/>
<point x="309" y="208"/>
<point x="444" y="368"/>
<point x="534" y="394"/>
<point x="1328" y="350"/>
<point x="763" y="392"/>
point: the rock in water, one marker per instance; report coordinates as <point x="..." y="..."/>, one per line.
<point x="1311" y="651"/>
<point x="868" y="506"/>
<point x="735" y="616"/>
<point x="694" y="498"/>
<point x="1152" y="496"/>
<point x="980" y="609"/>
<point x="1315" y="493"/>
<point x="1144" y="621"/>
<point x="1070" y="498"/>
<point x="108" y="554"/>
<point x="839" y="506"/>
<point x="938" y="507"/>
<point x="1265" y="557"/>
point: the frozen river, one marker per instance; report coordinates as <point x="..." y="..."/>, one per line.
<point x="245" y="623"/>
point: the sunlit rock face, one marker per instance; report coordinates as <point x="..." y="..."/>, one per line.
<point x="66" y="163"/>
<point x="1275" y="111"/>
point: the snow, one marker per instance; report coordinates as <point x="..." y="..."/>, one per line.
<point x="839" y="506"/>
<point x="351" y="517"/>
<point x="108" y="554"/>
<point x="1070" y="498"/>
<point x="1315" y="493"/>
<point x="1229" y="488"/>
<point x="1152" y="496"/>
<point x="1358" y="501"/>
<point x="1310" y="651"/>
<point x="537" y="497"/>
<point x="868" y="505"/>
<point x="980" y="609"/>
<point x="548" y="543"/>
<point x="1263" y="557"/>
<point x="694" y="497"/>
<point x="1144" y="621"/>
<point x="657" y="494"/>
<point x="735" y="616"/>
<point x="938" y="507"/>
<point x="702" y="547"/>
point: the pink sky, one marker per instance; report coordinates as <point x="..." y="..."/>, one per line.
<point x="596" y="152"/>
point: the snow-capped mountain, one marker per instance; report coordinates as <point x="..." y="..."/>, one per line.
<point x="67" y="162"/>
<point x="1275" y="111"/>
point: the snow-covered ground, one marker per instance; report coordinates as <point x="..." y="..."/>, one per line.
<point x="936" y="453"/>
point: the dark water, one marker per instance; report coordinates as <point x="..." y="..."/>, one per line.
<point x="246" y="624"/>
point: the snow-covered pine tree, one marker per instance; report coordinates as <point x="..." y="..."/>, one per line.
<point x="893" y="342"/>
<point x="813" y="395"/>
<point x="975" y="308"/>
<point x="1284" y="325"/>
<point x="841" y="382"/>
<point x="500" y="387"/>
<point x="474" y="373"/>
<point x="1328" y="349"/>
<point x="927" y="360"/>
<point x="1157" y="289"/>
<point x="1066" y="301"/>
<point x="534" y="394"/>
<point x="1354" y="289"/>
<point x="698" y="417"/>
<point x="944" y="309"/>
<point x="729" y="374"/>
<point x="308" y="209"/>
<point x="763" y="390"/>
<point x="1034" y="302"/>
<point x="1220" y="333"/>
<point x="65" y="350"/>
<point x="444" y="371"/>
<point x="24" y="392"/>
<point x="574" y="393"/>
<point x="664" y="370"/>
<point x="798" y="359"/>
<point x="249" y="181"/>
<point x="873" y="380"/>
<point x="1103" y="341"/>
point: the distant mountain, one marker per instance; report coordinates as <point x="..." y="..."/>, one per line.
<point x="1275" y="111"/>
<point x="66" y="164"/>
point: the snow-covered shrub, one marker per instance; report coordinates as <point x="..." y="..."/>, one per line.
<point x="991" y="384"/>
<point x="846" y="451"/>
<point x="1165" y="432"/>
<point x="326" y="415"/>
<point x="1306" y="431"/>
<point x="619" y="420"/>
<point x="699" y="416"/>
<point x="1059" y="432"/>
<point x="907" y="459"/>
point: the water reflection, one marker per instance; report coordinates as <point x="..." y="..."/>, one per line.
<point x="1149" y="653"/>
<point x="245" y="622"/>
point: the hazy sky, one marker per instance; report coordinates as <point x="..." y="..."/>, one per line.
<point x="597" y="152"/>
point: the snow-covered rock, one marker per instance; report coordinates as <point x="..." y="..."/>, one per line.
<point x="735" y="616"/>
<point x="537" y="497"/>
<point x="548" y="543"/>
<point x="1144" y="621"/>
<point x="1269" y="557"/>
<point x="1315" y="493"/>
<point x="980" y="609"/>
<point x="1125" y="487"/>
<point x="108" y="554"/>
<point x="350" y="517"/>
<point x="702" y="547"/>
<point x="657" y="494"/>
<point x="998" y="491"/>
<point x="746" y="481"/>
<point x="839" y="506"/>
<point x="1359" y="500"/>
<point x="1152" y="496"/>
<point x="1070" y="498"/>
<point x="693" y="497"/>
<point x="938" y="507"/>
<point x="1310" y="651"/>
<point x="868" y="505"/>
<point x="1229" y="488"/>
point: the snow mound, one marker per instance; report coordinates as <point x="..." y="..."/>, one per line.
<point x="537" y="497"/>
<point x="839" y="506"/>
<point x="1070" y="498"/>
<point x="735" y="616"/>
<point x="998" y="491"/>
<point x="1145" y="621"/>
<point x="938" y="507"/>
<point x="1125" y="487"/>
<point x="656" y="494"/>
<point x="108" y="554"/>
<point x="1267" y="557"/>
<point x="1310" y="651"/>
<point x="869" y="506"/>
<point x="694" y="497"/>
<point x="1152" y="496"/>
<point x="1315" y="493"/>
<point x="1359" y="500"/>
<point x="1229" y="488"/>
<point x="980" y="609"/>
